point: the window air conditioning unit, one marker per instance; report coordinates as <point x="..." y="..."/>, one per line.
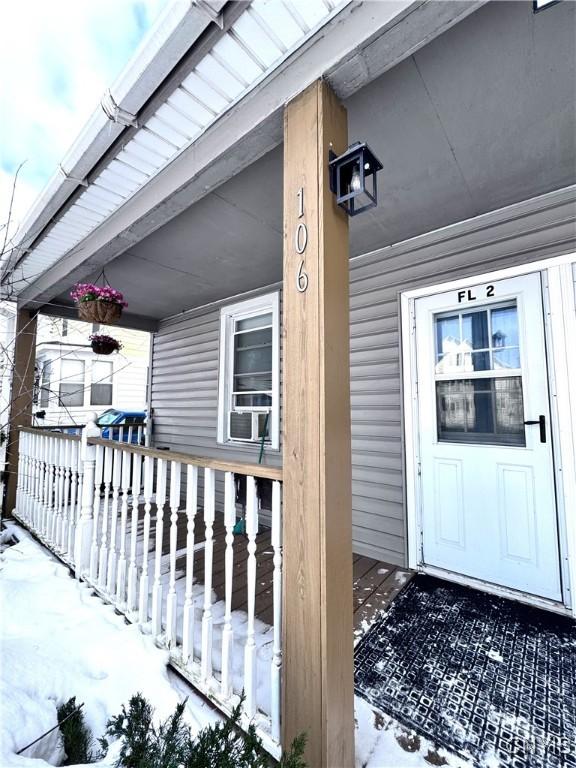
<point x="249" y="426"/>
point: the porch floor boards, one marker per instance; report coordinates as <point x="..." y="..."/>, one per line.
<point x="375" y="583"/>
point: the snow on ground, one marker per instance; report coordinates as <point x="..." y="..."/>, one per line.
<point x="57" y="641"/>
<point x="382" y="743"/>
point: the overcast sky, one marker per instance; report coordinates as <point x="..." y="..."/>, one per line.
<point x="57" y="58"/>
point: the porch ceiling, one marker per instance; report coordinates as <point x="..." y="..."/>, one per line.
<point x="480" y="118"/>
<point x="227" y="243"/>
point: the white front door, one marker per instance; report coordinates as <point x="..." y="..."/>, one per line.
<point x="488" y="505"/>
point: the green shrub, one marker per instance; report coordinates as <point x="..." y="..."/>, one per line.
<point x="223" y="745"/>
<point x="77" y="739"/>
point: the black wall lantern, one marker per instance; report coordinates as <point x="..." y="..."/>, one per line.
<point x="353" y="178"/>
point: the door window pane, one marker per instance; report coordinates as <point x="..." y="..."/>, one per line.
<point x="475" y="330"/>
<point x="463" y="360"/>
<point x="447" y="335"/>
<point x="483" y="340"/>
<point x="506" y="358"/>
<point x="487" y="411"/>
<point x="504" y="327"/>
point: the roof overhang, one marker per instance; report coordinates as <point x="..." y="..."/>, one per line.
<point x="355" y="44"/>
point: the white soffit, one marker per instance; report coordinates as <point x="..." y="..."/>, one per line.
<point x="265" y="34"/>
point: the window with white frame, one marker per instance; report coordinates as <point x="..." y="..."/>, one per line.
<point x="71" y="390"/>
<point x="101" y="384"/>
<point x="248" y="406"/>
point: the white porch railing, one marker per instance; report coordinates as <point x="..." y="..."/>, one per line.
<point x="140" y="526"/>
<point x="137" y="434"/>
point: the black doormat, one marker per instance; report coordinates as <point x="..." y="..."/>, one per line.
<point x="489" y="679"/>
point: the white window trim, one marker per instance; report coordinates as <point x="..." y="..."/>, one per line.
<point x="228" y="315"/>
<point x="90" y="382"/>
<point x="88" y="359"/>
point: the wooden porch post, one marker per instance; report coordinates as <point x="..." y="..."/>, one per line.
<point x="23" y="359"/>
<point x="318" y="635"/>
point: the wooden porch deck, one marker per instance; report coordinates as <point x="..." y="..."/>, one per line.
<point x="375" y="583"/>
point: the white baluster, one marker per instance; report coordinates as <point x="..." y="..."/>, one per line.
<point x="37" y="481"/>
<point x="132" y="599"/>
<point x="113" y="555"/>
<point x="188" y="615"/>
<point x="157" y="586"/>
<point x="144" y="576"/>
<point x="121" y="578"/>
<point x="47" y="486"/>
<point x="80" y="492"/>
<point x="66" y="496"/>
<point x="276" y="663"/>
<point x="28" y="475"/>
<point x="250" y="647"/>
<point x="57" y="533"/>
<point x="85" y="522"/>
<point x="206" y="651"/>
<point x="41" y="484"/>
<point x="33" y="478"/>
<point x="96" y="511"/>
<point x="171" y="600"/>
<point x="51" y="488"/>
<point x="22" y="474"/>
<point x="32" y="471"/>
<point x="227" y="633"/>
<point x="103" y="562"/>
<point x="74" y="445"/>
<point x="44" y="440"/>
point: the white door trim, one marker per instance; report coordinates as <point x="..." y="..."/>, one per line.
<point x="560" y="324"/>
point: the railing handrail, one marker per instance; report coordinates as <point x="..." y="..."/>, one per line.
<point x="54" y="432"/>
<point x="255" y="470"/>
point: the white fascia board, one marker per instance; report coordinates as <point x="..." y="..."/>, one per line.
<point x="254" y="126"/>
<point x="170" y="38"/>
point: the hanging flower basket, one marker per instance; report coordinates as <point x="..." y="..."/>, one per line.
<point x="104" y="345"/>
<point x="98" y="304"/>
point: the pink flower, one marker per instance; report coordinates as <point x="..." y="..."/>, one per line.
<point x="90" y="292"/>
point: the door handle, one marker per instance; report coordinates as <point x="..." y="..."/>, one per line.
<point x="541" y="421"/>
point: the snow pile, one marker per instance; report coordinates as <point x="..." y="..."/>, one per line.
<point x="59" y="641"/>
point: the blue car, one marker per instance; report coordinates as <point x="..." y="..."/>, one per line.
<point x="125" y="426"/>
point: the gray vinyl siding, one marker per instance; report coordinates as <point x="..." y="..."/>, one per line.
<point x="185" y="388"/>
<point x="185" y="359"/>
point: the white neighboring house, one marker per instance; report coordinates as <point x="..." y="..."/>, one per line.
<point x="71" y="381"/>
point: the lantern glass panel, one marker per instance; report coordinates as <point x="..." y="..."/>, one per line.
<point x="356" y="184"/>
